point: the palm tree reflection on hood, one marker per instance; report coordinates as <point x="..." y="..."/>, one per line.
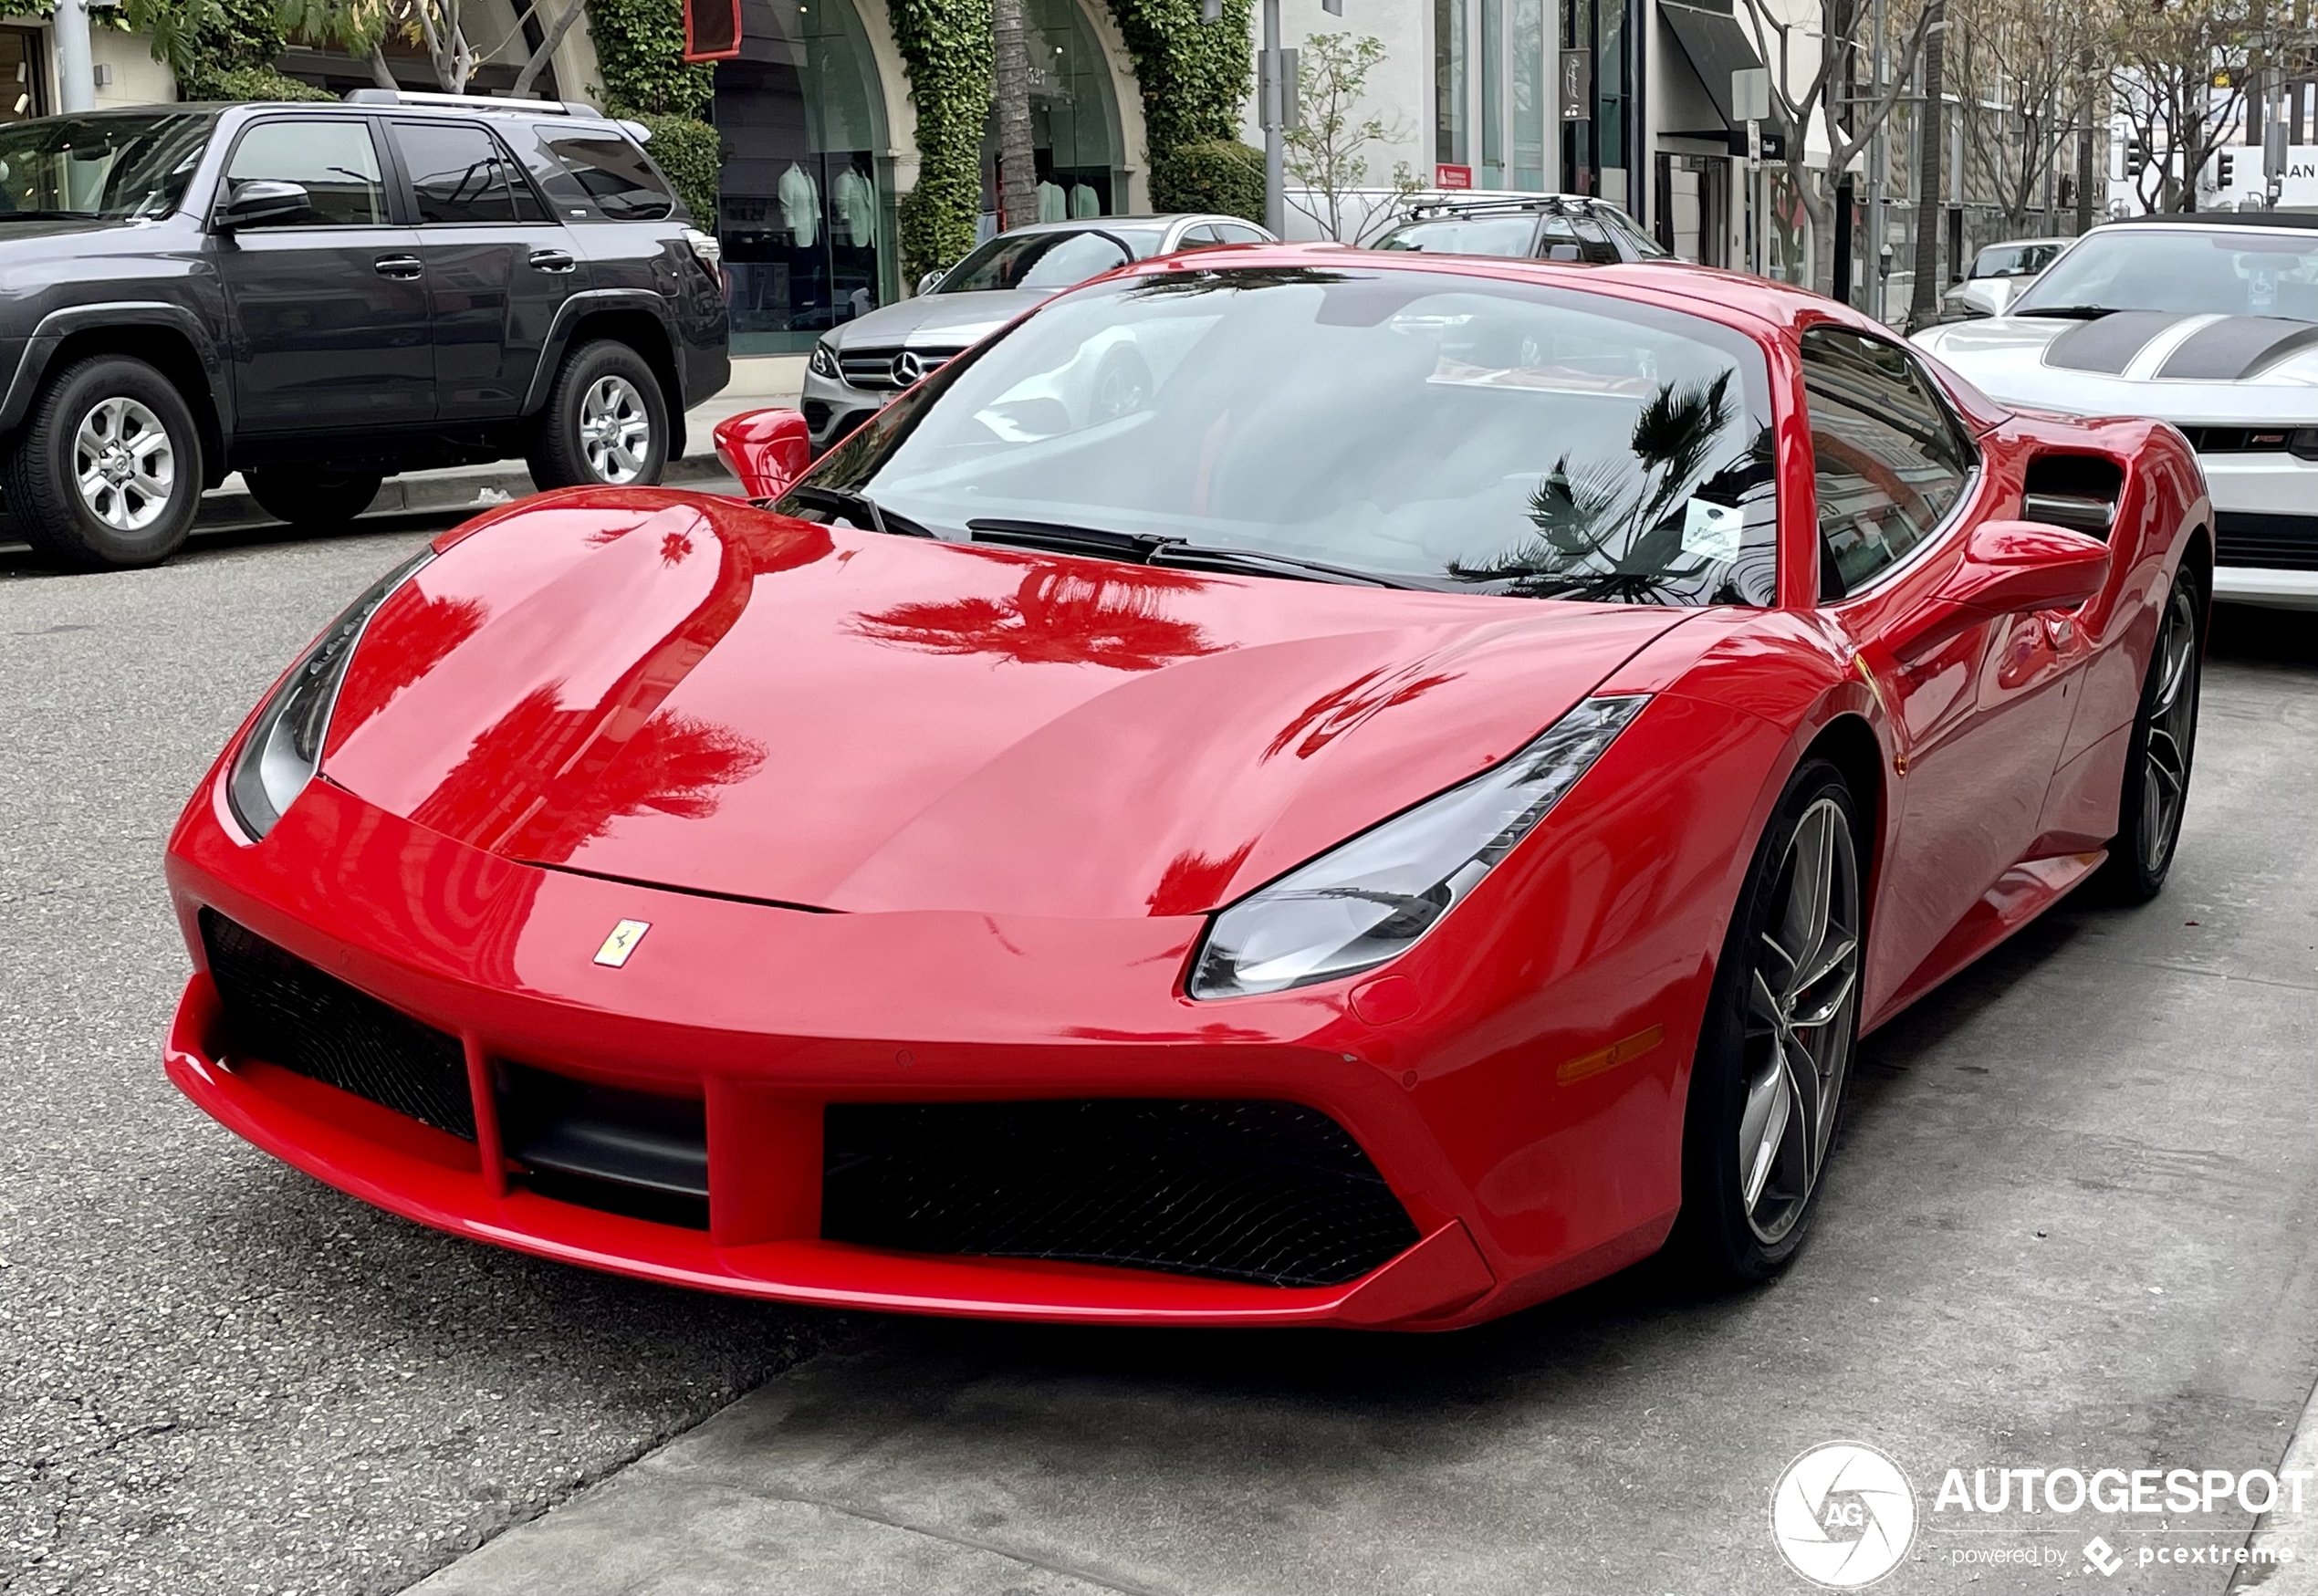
<point x="1057" y="617"/>
<point x="1613" y="532"/>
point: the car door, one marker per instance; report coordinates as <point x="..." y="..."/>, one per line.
<point x="498" y="266"/>
<point x="1980" y="718"/>
<point x="330" y="325"/>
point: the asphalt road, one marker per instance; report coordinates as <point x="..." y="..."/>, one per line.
<point x="2071" y="1223"/>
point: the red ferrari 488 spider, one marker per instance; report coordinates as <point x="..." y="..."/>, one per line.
<point x="1288" y="786"/>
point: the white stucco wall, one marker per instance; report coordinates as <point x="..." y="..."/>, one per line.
<point x="136" y="78"/>
<point x="1400" y="89"/>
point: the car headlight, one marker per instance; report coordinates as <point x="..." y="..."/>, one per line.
<point x="284" y="749"/>
<point x="1369" y="900"/>
<point x="823" y="362"/>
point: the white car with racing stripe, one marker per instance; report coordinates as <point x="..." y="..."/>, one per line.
<point x="2209" y="322"/>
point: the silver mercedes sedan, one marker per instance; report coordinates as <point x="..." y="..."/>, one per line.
<point x="861" y="364"/>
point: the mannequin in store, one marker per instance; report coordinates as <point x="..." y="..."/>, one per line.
<point x="853" y="200"/>
<point x="800" y="206"/>
<point x="1084" y="201"/>
<point x="1052" y="205"/>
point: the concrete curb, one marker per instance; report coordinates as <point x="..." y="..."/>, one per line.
<point x="2289" y="1539"/>
<point x="477" y="488"/>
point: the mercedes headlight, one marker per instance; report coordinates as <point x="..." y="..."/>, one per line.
<point x="285" y="747"/>
<point x="823" y="362"/>
<point x="1369" y="900"/>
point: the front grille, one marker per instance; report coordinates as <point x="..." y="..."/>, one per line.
<point x="2239" y="440"/>
<point x="1268" y="1192"/>
<point x="873" y="368"/>
<point x="282" y="1011"/>
<point x="2278" y="542"/>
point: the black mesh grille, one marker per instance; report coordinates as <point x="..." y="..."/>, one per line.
<point x="1271" y="1191"/>
<point x="283" y="1010"/>
<point x="2280" y="542"/>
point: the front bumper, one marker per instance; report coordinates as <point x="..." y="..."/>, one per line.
<point x="834" y="407"/>
<point x="767" y="1015"/>
<point x="2266" y="537"/>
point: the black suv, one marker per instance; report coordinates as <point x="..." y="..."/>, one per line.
<point x="319" y="295"/>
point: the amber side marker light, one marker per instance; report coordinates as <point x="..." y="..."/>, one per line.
<point x="1609" y="1058"/>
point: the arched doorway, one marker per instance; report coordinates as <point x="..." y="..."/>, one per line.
<point x="1074" y="123"/>
<point x="805" y="207"/>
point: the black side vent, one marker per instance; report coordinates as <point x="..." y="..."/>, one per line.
<point x="284" y="1011"/>
<point x="632" y="1153"/>
<point x="2078" y="492"/>
<point x="1269" y="1192"/>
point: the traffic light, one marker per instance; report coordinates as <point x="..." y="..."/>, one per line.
<point x="2221" y="170"/>
<point x="2136" y="157"/>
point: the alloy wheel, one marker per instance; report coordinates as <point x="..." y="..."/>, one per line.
<point x="615" y="430"/>
<point x="123" y="464"/>
<point x="1800" y="992"/>
<point x="2173" y="727"/>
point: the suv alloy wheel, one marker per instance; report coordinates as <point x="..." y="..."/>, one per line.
<point x="605" y="421"/>
<point x="106" y="472"/>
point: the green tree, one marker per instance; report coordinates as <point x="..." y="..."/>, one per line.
<point x="1328" y="148"/>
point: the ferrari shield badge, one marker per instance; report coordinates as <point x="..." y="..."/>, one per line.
<point x="621" y="941"/>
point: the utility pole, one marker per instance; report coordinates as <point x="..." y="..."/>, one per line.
<point x="1276" y="71"/>
<point x="1878" y="160"/>
<point x="75" y="78"/>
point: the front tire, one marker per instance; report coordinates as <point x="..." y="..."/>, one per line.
<point x="106" y="472"/>
<point x="1774" y="1055"/>
<point x="2155" y="791"/>
<point x="605" y="423"/>
<point x="310" y="499"/>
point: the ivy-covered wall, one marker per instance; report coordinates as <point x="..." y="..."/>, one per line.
<point x="945" y="48"/>
<point x="1193" y="75"/>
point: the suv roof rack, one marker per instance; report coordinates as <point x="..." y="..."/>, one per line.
<point x="1450" y="208"/>
<point x="554" y="108"/>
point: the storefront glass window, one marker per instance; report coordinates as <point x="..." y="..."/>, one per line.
<point x="1492" y="174"/>
<point x="806" y="208"/>
<point x="1449" y="82"/>
<point x="1074" y="124"/>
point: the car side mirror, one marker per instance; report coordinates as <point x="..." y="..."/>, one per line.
<point x="264" y="203"/>
<point x="767" y="449"/>
<point x="2009" y="568"/>
<point x="930" y="281"/>
<point x="1984" y="295"/>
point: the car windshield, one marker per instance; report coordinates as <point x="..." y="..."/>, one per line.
<point x="2194" y="271"/>
<point x="1046" y="260"/>
<point x="1465" y="235"/>
<point x="1417" y="428"/>
<point x="108" y="167"/>
<point x="2014" y="260"/>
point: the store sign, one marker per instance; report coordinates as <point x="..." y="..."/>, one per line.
<point x="1445" y="176"/>
<point x="1577" y="86"/>
<point x="712" y="29"/>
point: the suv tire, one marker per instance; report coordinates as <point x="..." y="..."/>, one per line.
<point x="310" y="498"/>
<point x="605" y="424"/>
<point x="106" y="471"/>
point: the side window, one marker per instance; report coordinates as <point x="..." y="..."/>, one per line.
<point x="1239" y="233"/>
<point x="606" y="172"/>
<point x="1557" y="240"/>
<point x="1200" y="237"/>
<point x="1889" y="459"/>
<point x="1595" y="247"/>
<point x="458" y="172"/>
<point x="334" y="160"/>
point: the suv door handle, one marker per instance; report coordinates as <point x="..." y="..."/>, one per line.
<point x="398" y="266"/>
<point x="551" y="260"/>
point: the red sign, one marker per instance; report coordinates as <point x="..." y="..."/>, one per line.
<point x="1452" y="177"/>
<point x="712" y="30"/>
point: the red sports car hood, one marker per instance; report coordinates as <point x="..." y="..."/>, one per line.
<point x="693" y="693"/>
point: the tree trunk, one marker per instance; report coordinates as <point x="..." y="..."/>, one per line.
<point x="1010" y="96"/>
<point x="1923" y="306"/>
<point x="381" y="73"/>
<point x="546" y="52"/>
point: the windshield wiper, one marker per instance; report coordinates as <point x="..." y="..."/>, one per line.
<point x="2071" y="312"/>
<point x="1156" y="548"/>
<point x="845" y="501"/>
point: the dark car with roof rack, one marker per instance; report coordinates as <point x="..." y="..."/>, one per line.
<point x="322" y="295"/>
<point x="1575" y="228"/>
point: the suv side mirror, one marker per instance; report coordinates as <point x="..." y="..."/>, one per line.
<point x="930" y="281"/>
<point x="1984" y="295"/>
<point x="2010" y="568"/>
<point x="264" y="203"/>
<point x="767" y="449"/>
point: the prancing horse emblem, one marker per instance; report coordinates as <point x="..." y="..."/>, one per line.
<point x="621" y="941"/>
<point x="908" y="367"/>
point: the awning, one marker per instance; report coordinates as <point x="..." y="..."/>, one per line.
<point x="1717" y="44"/>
